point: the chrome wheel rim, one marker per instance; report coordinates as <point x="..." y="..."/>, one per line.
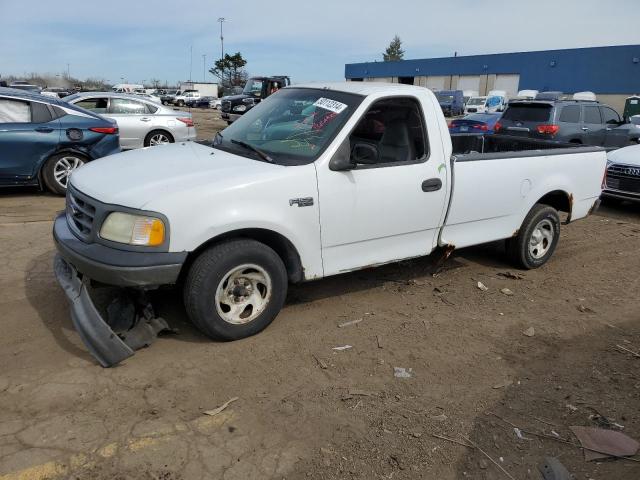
<point x="64" y="167"/>
<point x="541" y="239"/>
<point x="159" y="139"/>
<point x="243" y="294"/>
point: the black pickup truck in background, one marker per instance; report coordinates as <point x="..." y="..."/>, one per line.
<point x="582" y="122"/>
<point x="255" y="90"/>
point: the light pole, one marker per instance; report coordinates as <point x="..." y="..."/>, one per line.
<point x="221" y="20"/>
<point x="191" y="64"/>
<point x="204" y="63"/>
<point x="68" y="69"/>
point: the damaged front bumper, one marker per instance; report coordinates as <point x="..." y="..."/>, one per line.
<point x="129" y="322"/>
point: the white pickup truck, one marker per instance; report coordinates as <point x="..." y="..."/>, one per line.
<point x="315" y="181"/>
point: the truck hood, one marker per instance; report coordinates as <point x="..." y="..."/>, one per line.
<point x="132" y="179"/>
<point x="626" y="156"/>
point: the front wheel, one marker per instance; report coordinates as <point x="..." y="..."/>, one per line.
<point x="537" y="238"/>
<point x="235" y="289"/>
<point x="58" y="169"/>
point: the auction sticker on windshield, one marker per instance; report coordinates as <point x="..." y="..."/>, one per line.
<point x="331" y="105"/>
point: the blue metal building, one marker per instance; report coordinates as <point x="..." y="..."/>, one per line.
<point x="612" y="71"/>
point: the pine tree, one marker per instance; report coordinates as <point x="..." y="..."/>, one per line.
<point x="394" y="51"/>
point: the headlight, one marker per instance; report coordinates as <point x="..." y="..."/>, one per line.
<point x="133" y="229"/>
<point x="239" y="108"/>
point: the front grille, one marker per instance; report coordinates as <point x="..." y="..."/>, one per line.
<point x="624" y="178"/>
<point x="226" y="106"/>
<point x="472" y="110"/>
<point x="80" y="214"/>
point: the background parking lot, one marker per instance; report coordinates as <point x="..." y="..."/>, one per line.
<point x="306" y="410"/>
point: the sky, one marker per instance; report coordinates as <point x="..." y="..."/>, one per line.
<point x="308" y="40"/>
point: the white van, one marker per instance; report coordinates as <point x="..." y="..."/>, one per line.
<point x="475" y="105"/>
<point x="468" y="95"/>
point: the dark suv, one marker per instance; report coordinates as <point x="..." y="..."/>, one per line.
<point x="571" y="121"/>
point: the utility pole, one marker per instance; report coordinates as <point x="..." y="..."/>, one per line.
<point x="68" y="70"/>
<point x="204" y="66"/>
<point x="191" y="64"/>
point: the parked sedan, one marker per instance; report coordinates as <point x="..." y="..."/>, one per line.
<point x="42" y="139"/>
<point x="623" y="175"/>
<point x="475" y="123"/>
<point x="142" y="123"/>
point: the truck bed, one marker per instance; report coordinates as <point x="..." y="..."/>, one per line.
<point x="479" y="147"/>
<point x="494" y="184"/>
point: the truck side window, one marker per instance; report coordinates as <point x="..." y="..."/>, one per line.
<point x="391" y="132"/>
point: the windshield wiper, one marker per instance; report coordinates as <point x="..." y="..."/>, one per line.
<point x="260" y="153"/>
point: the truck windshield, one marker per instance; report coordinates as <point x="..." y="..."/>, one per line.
<point x="291" y="127"/>
<point x="253" y="88"/>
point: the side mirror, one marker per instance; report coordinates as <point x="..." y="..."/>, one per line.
<point x="364" y="153"/>
<point x="341" y="160"/>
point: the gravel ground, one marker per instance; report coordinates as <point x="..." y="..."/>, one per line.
<point x="305" y="410"/>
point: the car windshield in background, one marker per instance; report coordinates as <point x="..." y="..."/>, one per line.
<point x="292" y="127"/>
<point x="445" y="98"/>
<point x="477" y="101"/>
<point x="253" y="88"/>
<point x="528" y="112"/>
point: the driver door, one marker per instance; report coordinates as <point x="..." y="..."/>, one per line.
<point x="390" y="205"/>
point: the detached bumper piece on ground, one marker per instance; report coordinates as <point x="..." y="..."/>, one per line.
<point x="130" y="325"/>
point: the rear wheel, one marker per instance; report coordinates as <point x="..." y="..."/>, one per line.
<point x="58" y="169"/>
<point x="235" y="289"/>
<point x="180" y="103"/>
<point x="158" y="137"/>
<point x="537" y="238"/>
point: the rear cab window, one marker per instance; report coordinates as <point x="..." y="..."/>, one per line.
<point x="528" y="112"/>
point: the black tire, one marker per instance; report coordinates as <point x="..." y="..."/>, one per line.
<point x="157" y="133"/>
<point x="208" y="275"/>
<point x="180" y="103"/>
<point x="54" y="182"/>
<point x="521" y="251"/>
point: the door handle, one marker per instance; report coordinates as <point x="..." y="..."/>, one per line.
<point x="44" y="129"/>
<point x="585" y="129"/>
<point x="145" y="119"/>
<point x="609" y="129"/>
<point x="432" y="185"/>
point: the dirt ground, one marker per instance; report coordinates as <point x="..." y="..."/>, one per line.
<point x="306" y="410"/>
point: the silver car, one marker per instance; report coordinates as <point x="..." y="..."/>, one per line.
<point x="142" y="123"/>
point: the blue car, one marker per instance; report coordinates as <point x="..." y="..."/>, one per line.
<point x="43" y="139"/>
<point x="475" y="123"/>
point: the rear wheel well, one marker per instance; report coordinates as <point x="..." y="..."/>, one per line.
<point x="280" y="244"/>
<point x="560" y="200"/>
